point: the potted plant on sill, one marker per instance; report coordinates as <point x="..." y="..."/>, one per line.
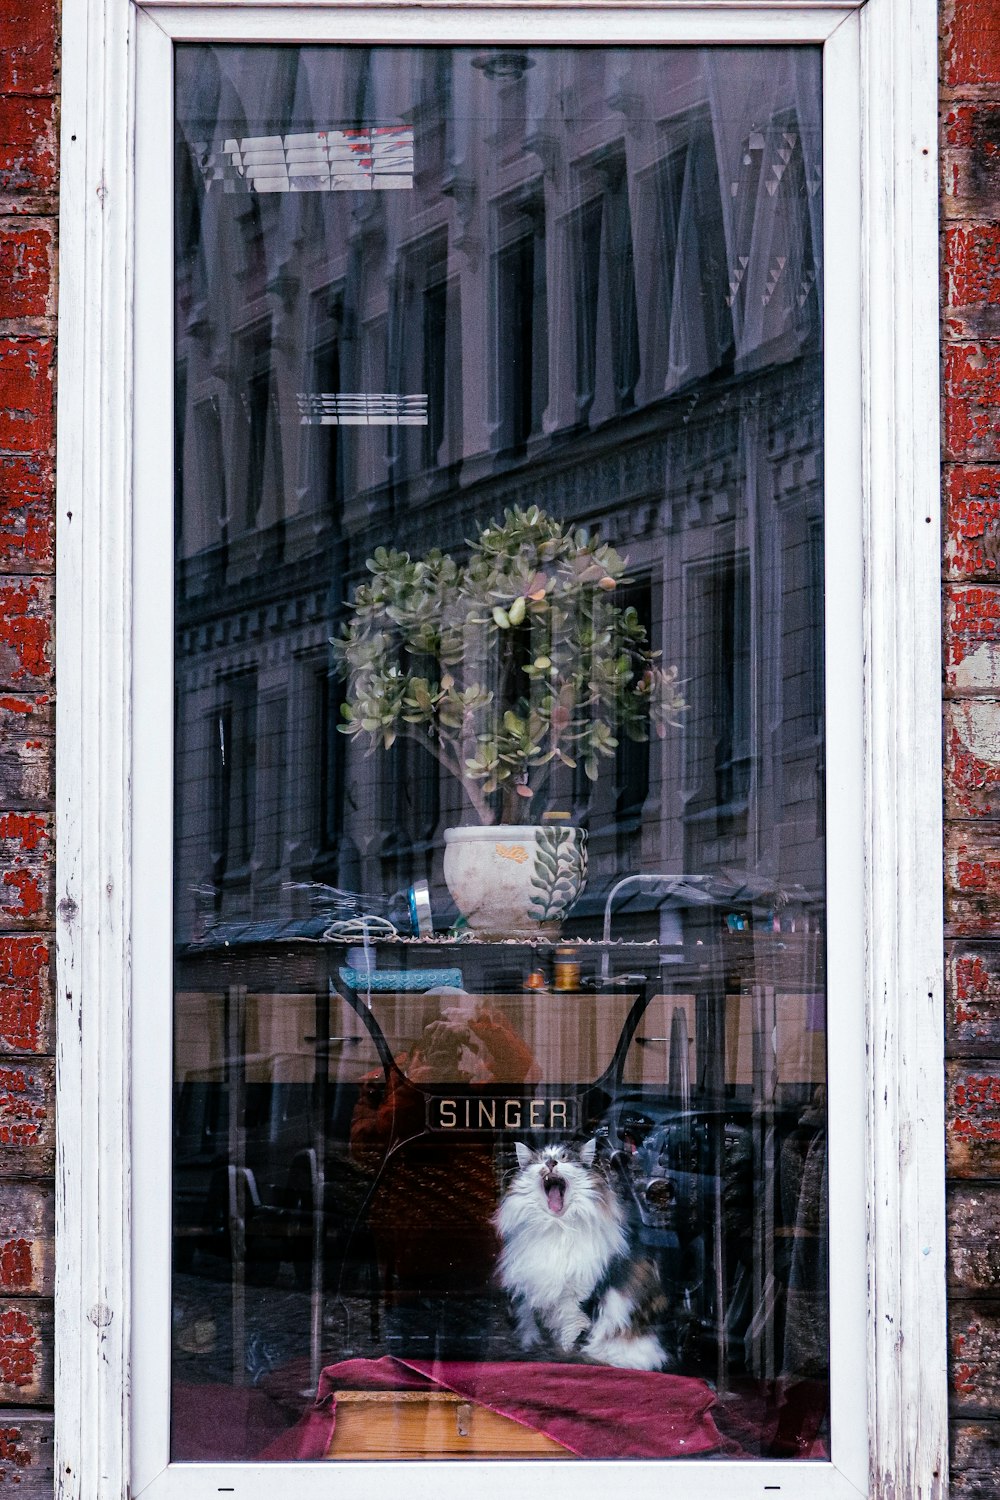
<point x="502" y="666"/>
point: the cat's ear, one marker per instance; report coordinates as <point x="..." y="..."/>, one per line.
<point x="588" y="1150"/>
<point x="524" y="1153"/>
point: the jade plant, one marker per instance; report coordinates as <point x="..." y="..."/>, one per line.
<point x="502" y="664"/>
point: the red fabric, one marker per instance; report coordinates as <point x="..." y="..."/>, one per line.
<point x="222" y="1423"/>
<point x="593" y="1410"/>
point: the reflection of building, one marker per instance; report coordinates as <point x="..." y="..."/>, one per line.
<point x="608" y="294"/>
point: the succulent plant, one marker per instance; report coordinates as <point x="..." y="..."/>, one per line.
<point x="503" y="664"/>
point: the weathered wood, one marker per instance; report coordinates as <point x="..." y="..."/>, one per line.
<point x="973" y="999"/>
<point x="25" y="1454"/>
<point x="974" y="1238"/>
<point x="27" y="1118"/>
<point x="975" y="1461"/>
<point x="26" y="1000"/>
<point x="972" y="879"/>
<point x="26" y="1351"/>
<point x="972" y="758"/>
<point x="27" y="1236"/>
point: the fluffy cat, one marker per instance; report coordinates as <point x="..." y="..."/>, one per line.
<point x="566" y="1264"/>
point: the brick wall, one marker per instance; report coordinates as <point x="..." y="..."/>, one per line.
<point x="970" y="233"/>
<point x="28" y="207"/>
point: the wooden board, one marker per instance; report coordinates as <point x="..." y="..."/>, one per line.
<point x="430" y="1424"/>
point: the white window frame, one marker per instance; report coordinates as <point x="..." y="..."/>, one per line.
<point x="114" y="541"/>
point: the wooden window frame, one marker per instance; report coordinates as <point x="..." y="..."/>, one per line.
<point x="113" y="494"/>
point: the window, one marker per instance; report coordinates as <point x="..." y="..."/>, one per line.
<point x="307" y="1231"/>
<point x="520" y="673"/>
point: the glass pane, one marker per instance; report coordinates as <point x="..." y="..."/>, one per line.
<point x="499" y="901"/>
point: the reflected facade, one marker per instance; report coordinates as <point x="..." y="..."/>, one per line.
<point x="417" y="290"/>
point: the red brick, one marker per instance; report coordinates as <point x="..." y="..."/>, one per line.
<point x="28" y="37"/>
<point x="972" y="401"/>
<point x="972" y="1119"/>
<point x="26" y="1023"/>
<point x="27" y="767"/>
<point x="27" y="1231"/>
<point x="27" y="252"/>
<point x="972" y="281"/>
<point x="972" y="995"/>
<point x="25" y="869"/>
<point x="27" y="513"/>
<point x="972" y="758"/>
<point x="973" y="1241"/>
<point x="972" y="638"/>
<point x="970" y="36"/>
<point x="972" y="880"/>
<point x="28" y="162"/>
<point x="974" y="1370"/>
<point x="26" y="1351"/>
<point x="972" y="521"/>
<point x="25" y="633"/>
<point x="26" y="395"/>
<point x="26" y="1454"/>
<point x="970" y="159"/>
<point x="27" y="1117"/>
<point x="26" y="713"/>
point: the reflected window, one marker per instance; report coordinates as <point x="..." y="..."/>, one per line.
<point x="499" y="899"/>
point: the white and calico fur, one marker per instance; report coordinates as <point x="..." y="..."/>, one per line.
<point x="566" y="1263"/>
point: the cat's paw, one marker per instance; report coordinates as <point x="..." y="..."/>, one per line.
<point x="642" y="1353"/>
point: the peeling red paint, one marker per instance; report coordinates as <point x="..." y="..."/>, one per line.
<point x="20" y="1113"/>
<point x="976" y="1102"/>
<point x="12" y="1449"/>
<point x="972" y="625"/>
<point x="972" y="281"/>
<point x="27" y="511"/>
<point x="25" y="629"/>
<point x="26" y="393"/>
<point x="970" y="39"/>
<point x="972" y="520"/>
<point x="26" y="255"/>
<point x="31" y="830"/>
<point x="16" y="1270"/>
<point x="28" y="33"/>
<point x="24" y="994"/>
<point x="968" y="774"/>
<point x="30" y="895"/>
<point x="972" y="977"/>
<point x="18" y="1349"/>
<point x="972" y="400"/>
<point x="978" y="874"/>
<point x="27" y="145"/>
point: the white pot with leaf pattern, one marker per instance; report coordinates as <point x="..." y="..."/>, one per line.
<point x="515" y="880"/>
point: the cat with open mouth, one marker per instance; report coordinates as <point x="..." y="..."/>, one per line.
<point x="567" y="1265"/>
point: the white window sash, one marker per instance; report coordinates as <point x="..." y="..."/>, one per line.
<point x="114" y="665"/>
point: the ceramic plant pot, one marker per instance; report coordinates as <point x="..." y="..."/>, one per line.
<point x="515" y="880"/>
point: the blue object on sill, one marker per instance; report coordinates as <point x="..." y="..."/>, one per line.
<point x="381" y="981"/>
